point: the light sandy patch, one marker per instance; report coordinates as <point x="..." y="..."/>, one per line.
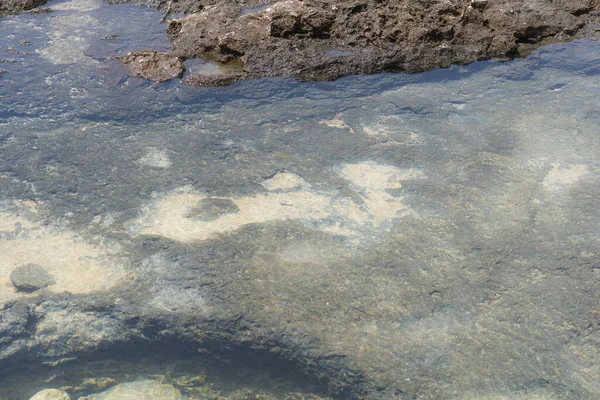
<point x="384" y="207"/>
<point x="378" y="177"/>
<point x="168" y="217"/>
<point x="7" y="294"/>
<point x="139" y="390"/>
<point x="350" y="214"/>
<point x="337" y="122"/>
<point x="180" y="215"/>
<point x="285" y="181"/>
<point x="8" y="223"/>
<point x="559" y="177"/>
<point x="51" y="394"/>
<point x="155" y="158"/>
<point x="76" y="266"/>
<point x="372" y="181"/>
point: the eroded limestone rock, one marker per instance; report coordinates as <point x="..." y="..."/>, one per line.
<point x="149" y="64"/>
<point x="15" y="6"/>
<point x="326" y="39"/>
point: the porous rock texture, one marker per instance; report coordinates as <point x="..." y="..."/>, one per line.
<point x="327" y="39"/>
<point x="8" y="7"/>
<point x="149" y="64"/>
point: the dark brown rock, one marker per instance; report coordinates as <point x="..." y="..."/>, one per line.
<point x="218" y="33"/>
<point x="9" y="7"/>
<point x="294" y="18"/>
<point x="303" y="38"/>
<point x="149" y="64"/>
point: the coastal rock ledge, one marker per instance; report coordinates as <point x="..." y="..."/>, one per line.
<point x="319" y="40"/>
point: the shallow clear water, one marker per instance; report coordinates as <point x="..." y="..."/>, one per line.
<point x="438" y="232"/>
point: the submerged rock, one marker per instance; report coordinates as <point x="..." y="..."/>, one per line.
<point x="51" y="394"/>
<point x="31" y="277"/>
<point x="212" y="208"/>
<point x="147" y="390"/>
<point x="149" y="64"/>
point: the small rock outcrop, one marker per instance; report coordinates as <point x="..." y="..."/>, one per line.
<point x="152" y="65"/>
<point x="9" y="7"/>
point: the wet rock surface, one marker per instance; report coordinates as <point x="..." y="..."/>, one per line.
<point x="10" y="7"/>
<point x="201" y="80"/>
<point x="324" y="40"/>
<point x="158" y="67"/>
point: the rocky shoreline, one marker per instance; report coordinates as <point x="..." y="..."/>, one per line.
<point x="322" y="40"/>
<point x="409" y="236"/>
<point x="317" y="40"/>
<point x="12" y="7"/>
